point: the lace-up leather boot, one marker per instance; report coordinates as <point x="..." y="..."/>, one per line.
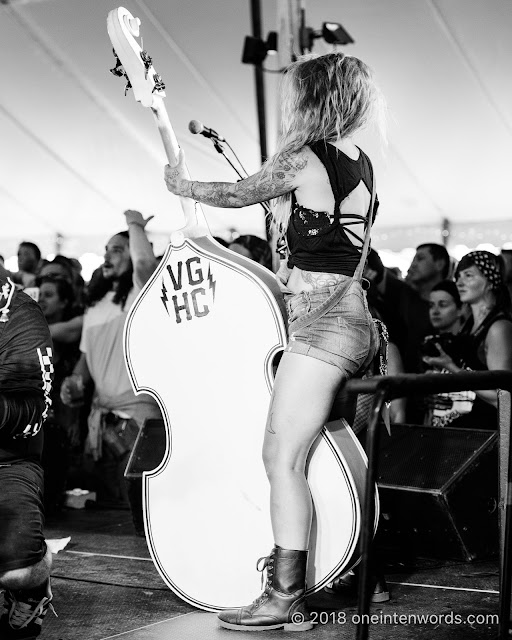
<point x="282" y="603"/>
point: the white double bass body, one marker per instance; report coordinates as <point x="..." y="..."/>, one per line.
<point x="202" y="338"/>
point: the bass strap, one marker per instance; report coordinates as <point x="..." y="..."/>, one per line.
<point x="358" y="273"/>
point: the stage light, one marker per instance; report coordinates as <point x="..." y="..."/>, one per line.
<point x="255" y="49"/>
<point x="331" y="32"/>
<point x="334" y="33"/>
<point x="272" y="40"/>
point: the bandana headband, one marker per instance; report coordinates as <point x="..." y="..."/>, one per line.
<point x="487" y="263"/>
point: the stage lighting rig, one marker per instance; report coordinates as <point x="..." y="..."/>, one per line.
<point x="331" y="32"/>
<point x="256" y="50"/>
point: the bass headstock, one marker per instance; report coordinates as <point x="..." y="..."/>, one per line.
<point x="133" y="62"/>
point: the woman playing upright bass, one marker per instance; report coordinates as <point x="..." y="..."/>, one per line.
<point x="323" y="184"/>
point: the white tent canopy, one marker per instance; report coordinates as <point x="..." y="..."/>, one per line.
<point x="76" y="152"/>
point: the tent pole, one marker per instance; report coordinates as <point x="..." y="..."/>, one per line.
<point x="258" y="77"/>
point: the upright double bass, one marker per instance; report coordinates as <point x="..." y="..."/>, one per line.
<point x="202" y="339"/>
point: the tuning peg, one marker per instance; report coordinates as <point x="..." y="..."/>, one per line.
<point x="147" y="60"/>
<point x="118" y="70"/>
<point x="159" y="83"/>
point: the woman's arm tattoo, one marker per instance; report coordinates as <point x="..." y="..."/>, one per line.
<point x="259" y="187"/>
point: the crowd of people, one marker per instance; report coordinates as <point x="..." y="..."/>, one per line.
<point x="447" y="317"/>
<point x="442" y="317"/>
<point x="62" y="364"/>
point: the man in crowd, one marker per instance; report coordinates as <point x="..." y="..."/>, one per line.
<point x="29" y="257"/>
<point x="430" y="265"/>
<point x="401" y="308"/>
<point x="117" y="413"/>
<point x="25" y="383"/>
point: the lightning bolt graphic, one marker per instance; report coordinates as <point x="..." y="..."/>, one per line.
<point x="212" y="282"/>
<point x="164" y="297"/>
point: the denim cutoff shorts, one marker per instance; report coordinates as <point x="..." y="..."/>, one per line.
<point x="345" y="336"/>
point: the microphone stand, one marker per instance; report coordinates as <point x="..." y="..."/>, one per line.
<point x="220" y="149"/>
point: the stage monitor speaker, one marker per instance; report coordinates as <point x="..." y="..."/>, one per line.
<point x="439" y="492"/>
<point x="148" y="450"/>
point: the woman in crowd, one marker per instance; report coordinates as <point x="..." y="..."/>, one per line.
<point x="486" y="337"/>
<point x="445" y="307"/>
<point x="62" y="428"/>
<point x="68" y="330"/>
<point x="445" y="313"/>
<point x="323" y="183"/>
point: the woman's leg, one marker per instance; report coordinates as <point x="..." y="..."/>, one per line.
<point x="304" y="390"/>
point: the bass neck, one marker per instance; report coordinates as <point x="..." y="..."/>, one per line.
<point x="196" y="225"/>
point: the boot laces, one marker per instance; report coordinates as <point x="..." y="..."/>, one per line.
<point x="21" y="614"/>
<point x="268" y="565"/>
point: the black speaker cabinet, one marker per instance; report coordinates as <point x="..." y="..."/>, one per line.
<point x="148" y="450"/>
<point x="439" y="492"/>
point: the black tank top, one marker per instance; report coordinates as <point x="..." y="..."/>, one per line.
<point x="483" y="415"/>
<point x="323" y="243"/>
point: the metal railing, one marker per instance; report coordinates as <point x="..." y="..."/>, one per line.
<point x="385" y="388"/>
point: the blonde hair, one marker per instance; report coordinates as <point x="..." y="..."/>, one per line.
<point x="324" y="97"/>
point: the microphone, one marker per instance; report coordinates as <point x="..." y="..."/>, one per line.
<point x="194" y="126"/>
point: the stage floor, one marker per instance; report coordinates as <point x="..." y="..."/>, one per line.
<point x="106" y="586"/>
